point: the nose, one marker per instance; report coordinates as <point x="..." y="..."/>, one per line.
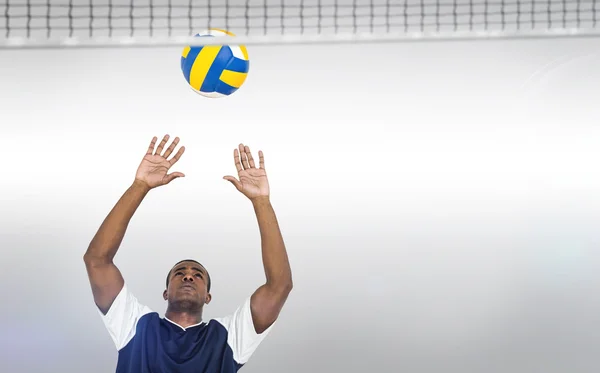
<point x="188" y="278"/>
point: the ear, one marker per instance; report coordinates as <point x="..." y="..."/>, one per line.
<point x="208" y="298"/>
<point x="165" y="294"/>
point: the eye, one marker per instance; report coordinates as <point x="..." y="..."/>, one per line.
<point x="198" y="275"/>
<point x="178" y="273"/>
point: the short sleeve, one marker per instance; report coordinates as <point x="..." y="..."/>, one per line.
<point x="241" y="335"/>
<point x="122" y="317"/>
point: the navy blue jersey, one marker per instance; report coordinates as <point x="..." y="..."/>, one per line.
<point x="148" y="343"/>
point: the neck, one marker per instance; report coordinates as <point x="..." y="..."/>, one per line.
<point x="184" y="318"/>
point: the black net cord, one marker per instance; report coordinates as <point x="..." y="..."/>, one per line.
<point x="282" y="17"/>
<point x="189" y="16"/>
<point x="6" y="19"/>
<point x="91" y="20"/>
<point x="28" y="18"/>
<point x="110" y="15"/>
<point x="209" y="14"/>
<point x="387" y="16"/>
<point x="170" y="14"/>
<point x="151" y="20"/>
<point x="71" y="29"/>
<point x="48" y="18"/>
<point x="247" y="16"/>
<point x="131" y="18"/>
<point x="266" y="16"/>
<point x="320" y="17"/>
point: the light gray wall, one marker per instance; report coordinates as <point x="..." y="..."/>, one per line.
<point x="439" y="201"/>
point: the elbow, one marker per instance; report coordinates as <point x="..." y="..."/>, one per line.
<point x="88" y="260"/>
<point x="88" y="257"/>
<point x="92" y="260"/>
<point x="288" y="284"/>
<point x="283" y="287"/>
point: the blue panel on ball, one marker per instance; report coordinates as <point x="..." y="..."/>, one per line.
<point x="216" y="69"/>
<point x="239" y="65"/>
<point x="225" y="89"/>
<point x="189" y="62"/>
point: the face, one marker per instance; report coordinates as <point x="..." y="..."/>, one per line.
<point x="187" y="290"/>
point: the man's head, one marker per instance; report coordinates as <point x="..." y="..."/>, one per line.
<point x="187" y="286"/>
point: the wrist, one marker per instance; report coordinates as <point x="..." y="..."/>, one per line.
<point x="140" y="186"/>
<point x="260" y="200"/>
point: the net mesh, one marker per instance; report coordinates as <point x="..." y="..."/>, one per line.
<point x="111" y="21"/>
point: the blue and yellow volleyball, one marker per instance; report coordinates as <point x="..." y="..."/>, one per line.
<point x="215" y="70"/>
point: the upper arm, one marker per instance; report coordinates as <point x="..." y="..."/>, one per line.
<point x="266" y="304"/>
<point x="106" y="282"/>
<point x="119" y="308"/>
<point x="242" y="337"/>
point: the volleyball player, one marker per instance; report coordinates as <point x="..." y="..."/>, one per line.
<point x="183" y="341"/>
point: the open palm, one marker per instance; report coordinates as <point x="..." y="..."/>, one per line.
<point x="252" y="181"/>
<point x="154" y="168"/>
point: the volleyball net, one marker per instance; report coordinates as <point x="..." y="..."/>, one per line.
<point x="114" y="23"/>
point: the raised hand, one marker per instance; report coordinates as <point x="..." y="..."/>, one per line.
<point x="252" y="181"/>
<point x="154" y="166"/>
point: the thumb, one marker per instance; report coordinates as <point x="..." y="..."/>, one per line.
<point x="233" y="181"/>
<point x="173" y="176"/>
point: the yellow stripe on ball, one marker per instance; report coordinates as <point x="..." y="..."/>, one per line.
<point x="202" y="64"/>
<point x="186" y="50"/>
<point x="224" y="31"/>
<point x="245" y="52"/>
<point x="233" y="78"/>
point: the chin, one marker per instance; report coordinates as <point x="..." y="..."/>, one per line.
<point x="185" y="304"/>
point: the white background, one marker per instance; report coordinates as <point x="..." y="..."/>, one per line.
<point x="439" y="201"/>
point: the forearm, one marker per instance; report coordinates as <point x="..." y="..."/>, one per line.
<point x="108" y="238"/>
<point x="274" y="255"/>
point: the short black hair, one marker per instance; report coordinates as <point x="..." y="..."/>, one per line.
<point x="194" y="261"/>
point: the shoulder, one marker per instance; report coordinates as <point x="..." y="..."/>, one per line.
<point x="123" y="316"/>
<point x="242" y="337"/>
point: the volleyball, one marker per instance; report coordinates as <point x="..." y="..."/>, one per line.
<point x="215" y="70"/>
